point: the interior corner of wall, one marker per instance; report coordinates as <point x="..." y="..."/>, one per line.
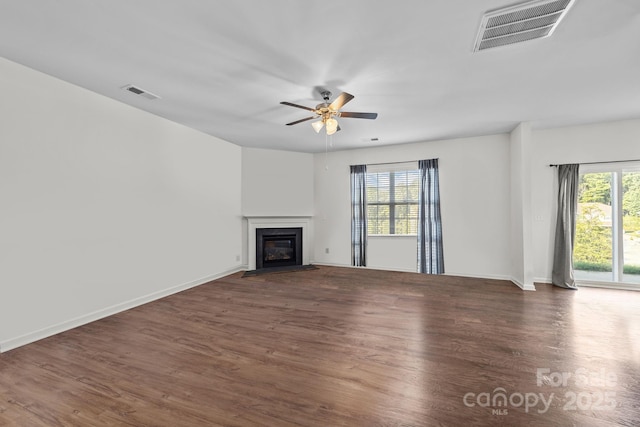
<point x="524" y="286"/>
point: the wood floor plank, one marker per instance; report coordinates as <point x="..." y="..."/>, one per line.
<point x="339" y="347"/>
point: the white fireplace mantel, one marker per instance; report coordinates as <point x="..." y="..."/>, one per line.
<point x="255" y="222"/>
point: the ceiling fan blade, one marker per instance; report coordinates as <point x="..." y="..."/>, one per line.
<point x="342" y="99"/>
<point x="301" y="120"/>
<point x="297" y="106"/>
<point x="359" y="115"/>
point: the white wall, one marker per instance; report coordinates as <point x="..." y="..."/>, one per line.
<point x="599" y="142"/>
<point x="487" y="203"/>
<point x="103" y="206"/>
<point x="397" y="253"/>
<point x="475" y="203"/>
<point x="276" y="183"/>
<point x="521" y="219"/>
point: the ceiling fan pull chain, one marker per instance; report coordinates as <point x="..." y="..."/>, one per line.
<point x="326" y="152"/>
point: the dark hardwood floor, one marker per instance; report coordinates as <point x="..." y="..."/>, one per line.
<point x="340" y="347"/>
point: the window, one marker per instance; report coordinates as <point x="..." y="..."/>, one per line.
<point x="607" y="246"/>
<point x="392" y="202"/>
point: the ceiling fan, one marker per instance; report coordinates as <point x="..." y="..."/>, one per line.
<point x="327" y="113"/>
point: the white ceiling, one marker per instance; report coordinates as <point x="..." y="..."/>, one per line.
<point x="223" y="66"/>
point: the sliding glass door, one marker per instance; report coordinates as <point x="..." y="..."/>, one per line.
<point x="631" y="226"/>
<point x="607" y="246"/>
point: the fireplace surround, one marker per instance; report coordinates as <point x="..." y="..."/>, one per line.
<point x="256" y="222"/>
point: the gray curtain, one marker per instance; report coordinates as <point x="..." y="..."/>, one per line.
<point x="562" y="273"/>
<point x="358" y="215"/>
<point x="430" y="251"/>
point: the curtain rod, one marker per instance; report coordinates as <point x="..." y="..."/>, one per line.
<point x="599" y="163"/>
<point x="396" y="163"/>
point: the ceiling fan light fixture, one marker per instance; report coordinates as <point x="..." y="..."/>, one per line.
<point x="325" y="113"/>
<point x="317" y="126"/>
<point x="332" y="126"/>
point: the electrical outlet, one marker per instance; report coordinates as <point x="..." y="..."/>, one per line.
<point x="237" y="257"/>
<point x="326" y="250"/>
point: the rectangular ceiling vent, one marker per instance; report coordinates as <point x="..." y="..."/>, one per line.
<point x="515" y="24"/>
<point x="144" y="93"/>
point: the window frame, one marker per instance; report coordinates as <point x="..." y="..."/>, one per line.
<point x="391" y="169"/>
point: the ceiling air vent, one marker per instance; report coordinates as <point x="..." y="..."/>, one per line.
<point x="141" y="92"/>
<point x="515" y="24"/>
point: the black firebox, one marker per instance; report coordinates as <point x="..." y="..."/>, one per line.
<point x="278" y="247"/>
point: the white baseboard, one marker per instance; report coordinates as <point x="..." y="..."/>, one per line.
<point x="545" y="280"/>
<point x="497" y="277"/>
<point x="31" y="337"/>
<point x="329" y="264"/>
<point x="486" y="276"/>
<point x="596" y="284"/>
<point x="524" y="287"/>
